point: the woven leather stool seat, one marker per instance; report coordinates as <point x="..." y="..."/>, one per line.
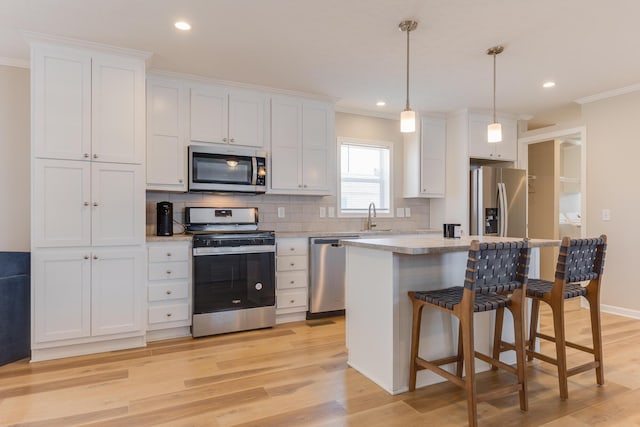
<point x="495" y="279"/>
<point x="450" y="297"/>
<point x="538" y="288"/>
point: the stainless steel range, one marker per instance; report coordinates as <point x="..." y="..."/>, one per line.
<point x="233" y="270"/>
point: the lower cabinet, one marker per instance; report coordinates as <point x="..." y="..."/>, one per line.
<point x="169" y="290"/>
<point x="87" y="300"/>
<point x="292" y="278"/>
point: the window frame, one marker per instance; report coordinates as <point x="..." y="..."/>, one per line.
<point x="366" y="143"/>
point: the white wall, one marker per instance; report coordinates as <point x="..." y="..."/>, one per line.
<point x="15" y="169"/>
<point x="613" y="150"/>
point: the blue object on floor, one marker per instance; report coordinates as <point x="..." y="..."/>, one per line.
<point x="15" y="306"/>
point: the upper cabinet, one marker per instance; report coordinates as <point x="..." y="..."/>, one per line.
<point x="166" y="141"/>
<point x="87" y="105"/>
<point x="424" y="155"/>
<point x="506" y="150"/>
<point x="227" y="116"/>
<point x="302" y="146"/>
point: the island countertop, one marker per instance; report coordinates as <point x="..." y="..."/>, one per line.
<point x="429" y="244"/>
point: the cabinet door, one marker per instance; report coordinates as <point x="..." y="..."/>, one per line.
<point x="478" y="145"/>
<point x="432" y="168"/>
<point x="317" y="123"/>
<point x="61" y="211"/>
<point x="61" y="103"/>
<point x="209" y="114"/>
<point x="117" y="288"/>
<point x="118" y="204"/>
<point x="508" y="148"/>
<point x="118" y="109"/>
<point x="286" y="136"/>
<point x="165" y="136"/>
<point x="247" y="118"/>
<point x="62" y="295"/>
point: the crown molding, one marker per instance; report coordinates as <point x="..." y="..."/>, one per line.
<point x="608" y="94"/>
<point x="368" y="113"/>
<point x="14" y="62"/>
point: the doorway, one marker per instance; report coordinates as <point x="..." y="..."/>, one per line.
<point x="555" y="164"/>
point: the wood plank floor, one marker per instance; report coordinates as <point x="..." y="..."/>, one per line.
<point x="296" y="375"/>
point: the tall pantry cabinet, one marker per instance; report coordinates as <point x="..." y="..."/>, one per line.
<point x="87" y="199"/>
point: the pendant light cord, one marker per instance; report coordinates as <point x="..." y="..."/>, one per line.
<point x="408" y="31"/>
<point x="494" y="87"/>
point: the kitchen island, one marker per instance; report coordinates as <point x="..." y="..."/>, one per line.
<point x="379" y="273"/>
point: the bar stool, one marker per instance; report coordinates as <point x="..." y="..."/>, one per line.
<point x="579" y="260"/>
<point x="496" y="277"/>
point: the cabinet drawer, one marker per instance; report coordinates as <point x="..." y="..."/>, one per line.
<point x="292" y="279"/>
<point x="289" y="263"/>
<point x="169" y="313"/>
<point x="168" y="253"/>
<point x="292" y="298"/>
<point x="168" y="270"/>
<point x="297" y="246"/>
<point x="168" y="291"/>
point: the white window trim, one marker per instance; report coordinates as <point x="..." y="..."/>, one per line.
<point x="371" y="143"/>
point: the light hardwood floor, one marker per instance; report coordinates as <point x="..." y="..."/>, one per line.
<point x="296" y="375"/>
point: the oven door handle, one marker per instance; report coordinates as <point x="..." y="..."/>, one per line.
<point x="234" y="250"/>
<point x="254" y="168"/>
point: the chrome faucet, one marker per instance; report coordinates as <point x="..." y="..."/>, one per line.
<point x="370" y="223"/>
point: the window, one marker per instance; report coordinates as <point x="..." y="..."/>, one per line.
<point x="365" y="177"/>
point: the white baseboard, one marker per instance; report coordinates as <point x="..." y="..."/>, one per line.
<point x="620" y="311"/>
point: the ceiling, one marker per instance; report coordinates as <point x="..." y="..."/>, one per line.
<point x="353" y="51"/>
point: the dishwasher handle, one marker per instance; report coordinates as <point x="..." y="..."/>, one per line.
<point x="335" y="242"/>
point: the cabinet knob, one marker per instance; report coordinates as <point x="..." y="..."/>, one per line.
<point x="292" y="249"/>
<point x="95" y="257"/>
<point x="299" y="186"/>
<point x="499" y="155"/>
<point x="168" y="271"/>
<point x="292" y="282"/>
<point x="168" y="314"/>
<point x="86" y="257"/>
<point x="168" y="253"/>
<point x="180" y="181"/>
<point x="85" y="155"/>
<point x="232" y="140"/>
<point x="168" y="292"/>
<point x="292" y="301"/>
<point x="293" y="264"/>
<point x="95" y="203"/>
<point x="86" y="203"/>
<point x="95" y="156"/>
<point x="305" y="186"/>
<point x="490" y="154"/>
<point x="224" y="139"/>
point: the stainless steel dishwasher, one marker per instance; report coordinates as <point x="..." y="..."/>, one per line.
<point x="327" y="274"/>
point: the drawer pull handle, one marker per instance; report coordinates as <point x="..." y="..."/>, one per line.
<point x="168" y="292"/>
<point x="168" y="314"/>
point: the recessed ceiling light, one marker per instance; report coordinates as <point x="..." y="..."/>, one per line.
<point x="381" y="103"/>
<point x="182" y="25"/>
<point x="548" y="84"/>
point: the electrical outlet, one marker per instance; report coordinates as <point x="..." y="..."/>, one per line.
<point x="606" y="214"/>
<point x="400" y="212"/>
<point x="332" y="211"/>
<point x="280" y="212"/>
<point x="407" y="212"/>
<point x="323" y="212"/>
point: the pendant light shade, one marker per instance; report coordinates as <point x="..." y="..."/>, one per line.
<point x="494" y="130"/>
<point x="408" y="116"/>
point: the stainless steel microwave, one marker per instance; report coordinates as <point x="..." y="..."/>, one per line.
<point x="227" y="169"/>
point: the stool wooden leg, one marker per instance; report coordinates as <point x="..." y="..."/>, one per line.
<point x="533" y="327"/>
<point x="415" y="340"/>
<point x="596" y="333"/>
<point x="460" y="364"/>
<point x="557" y="309"/>
<point x="497" y="336"/>
<point x="517" y="311"/>
<point x="466" y="321"/>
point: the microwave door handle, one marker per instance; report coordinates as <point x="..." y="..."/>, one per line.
<point x="254" y="168"/>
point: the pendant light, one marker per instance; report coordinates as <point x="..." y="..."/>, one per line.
<point x="408" y="116"/>
<point x="494" y="130"/>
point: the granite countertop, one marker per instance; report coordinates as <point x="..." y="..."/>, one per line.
<point x="423" y="245"/>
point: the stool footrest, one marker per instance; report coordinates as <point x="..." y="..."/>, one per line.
<point x="425" y="364"/>
<point x="496" y="363"/>
<point x="583" y="368"/>
<point x="567" y="343"/>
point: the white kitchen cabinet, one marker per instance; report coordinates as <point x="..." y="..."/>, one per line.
<point x="225" y="115"/>
<point x="169" y="289"/>
<point x="86" y="293"/>
<point x="302" y="146"/>
<point x="424" y="159"/>
<point x="87" y="203"/>
<point x="292" y="278"/>
<point x="506" y="150"/>
<point x="166" y="135"/>
<point x="87" y="105"/>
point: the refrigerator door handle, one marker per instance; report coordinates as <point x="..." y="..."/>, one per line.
<point x="504" y="226"/>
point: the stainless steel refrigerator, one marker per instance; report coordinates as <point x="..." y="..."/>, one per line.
<point x="498" y="202"/>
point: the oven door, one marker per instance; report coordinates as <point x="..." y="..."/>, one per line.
<point x="232" y="281"/>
